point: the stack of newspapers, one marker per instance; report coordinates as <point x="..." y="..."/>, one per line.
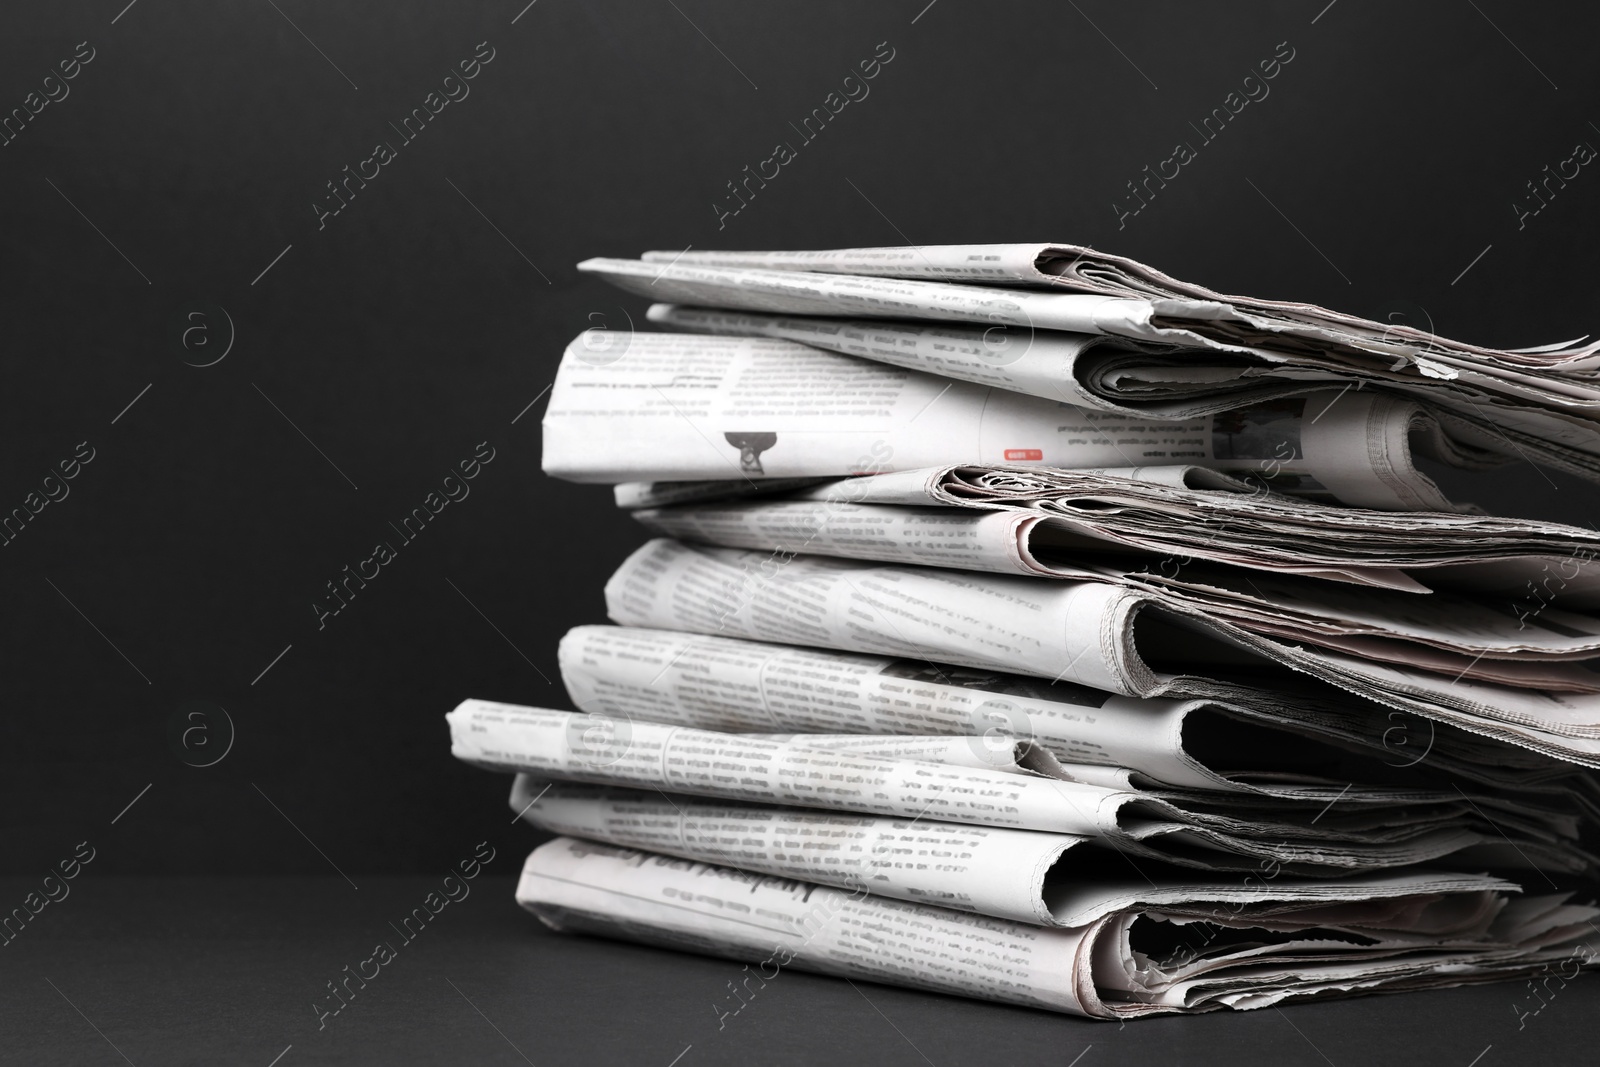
<point x="1026" y="624"/>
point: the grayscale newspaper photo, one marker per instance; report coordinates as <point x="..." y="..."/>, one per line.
<point x="693" y="533"/>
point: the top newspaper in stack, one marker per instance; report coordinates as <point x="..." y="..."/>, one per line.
<point x="1538" y="403"/>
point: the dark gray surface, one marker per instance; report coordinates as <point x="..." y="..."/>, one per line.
<point x="210" y="971"/>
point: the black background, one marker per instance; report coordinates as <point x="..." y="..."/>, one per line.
<point x="427" y="315"/>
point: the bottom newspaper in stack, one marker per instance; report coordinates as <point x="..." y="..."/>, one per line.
<point x="1139" y="950"/>
<point x="988" y="866"/>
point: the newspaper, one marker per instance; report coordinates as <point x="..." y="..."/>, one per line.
<point x="1082" y="269"/>
<point x="1192" y="513"/>
<point x="1541" y="401"/>
<point x="1082" y="632"/>
<point x="677" y="407"/>
<point x="1316" y="743"/>
<point x="1443" y="632"/>
<point x="1228" y="833"/>
<point x="1052" y="364"/>
<point x="1182" y="513"/>
<point x="1095" y="371"/>
<point x="1032" y="877"/>
<point x="1077" y="632"/>
<point x="1467" y="428"/>
<point x="578" y="747"/>
<point x="988" y="870"/>
<point x="1460" y="634"/>
<point x="1201" y="953"/>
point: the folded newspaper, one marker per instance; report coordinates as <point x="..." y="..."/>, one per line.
<point x="917" y="779"/>
<point x="1450" y="632"/>
<point x="1296" y="738"/>
<point x="1176" y="514"/>
<point x="672" y="407"/>
<point x="1144" y="949"/>
<point x="1048" y="879"/>
<point x="1540" y="403"/>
